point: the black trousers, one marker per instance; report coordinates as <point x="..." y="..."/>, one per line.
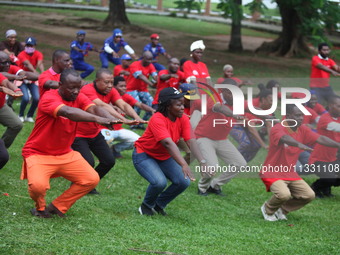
<point x="99" y="147"/>
<point x="4" y="157"/>
<point x="329" y="175"/>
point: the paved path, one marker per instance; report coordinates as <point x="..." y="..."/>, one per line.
<point x="218" y="19"/>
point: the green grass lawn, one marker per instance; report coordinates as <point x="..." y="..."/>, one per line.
<point x="110" y="224"/>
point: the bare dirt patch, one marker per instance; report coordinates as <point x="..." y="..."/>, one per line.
<point x="58" y="31"/>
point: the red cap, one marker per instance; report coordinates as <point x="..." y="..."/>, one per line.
<point x="154" y="36"/>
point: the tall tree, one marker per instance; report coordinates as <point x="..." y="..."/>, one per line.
<point x="233" y="9"/>
<point x="302" y="21"/>
<point x="117" y="14"/>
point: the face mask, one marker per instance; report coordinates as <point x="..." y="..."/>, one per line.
<point x="29" y="50"/>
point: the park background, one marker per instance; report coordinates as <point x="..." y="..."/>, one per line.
<point x="110" y="223"/>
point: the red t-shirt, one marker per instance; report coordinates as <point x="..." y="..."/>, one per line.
<point x="205" y="128"/>
<point x="52" y="134"/>
<point x="320" y="78"/>
<point x="172" y="82"/>
<point x="159" y="128"/>
<point x="92" y="129"/>
<point x="2" y="95"/>
<point x="321" y="152"/>
<point x="131" y="101"/>
<point x="221" y="79"/>
<point x="12" y="70"/>
<point x="33" y="59"/>
<point x="134" y="83"/>
<point x="309" y="119"/>
<point x="118" y="68"/>
<point x="319" y="109"/>
<point x="284" y="157"/>
<point x="48" y="75"/>
<point x="199" y="70"/>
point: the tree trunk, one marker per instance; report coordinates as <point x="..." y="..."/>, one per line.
<point x="117" y="14"/>
<point x="291" y="42"/>
<point x="235" y="43"/>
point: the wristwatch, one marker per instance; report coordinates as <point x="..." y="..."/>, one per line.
<point x="203" y="161"/>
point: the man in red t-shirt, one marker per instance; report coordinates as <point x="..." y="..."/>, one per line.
<point x="47" y="152"/>
<point x="89" y="137"/>
<point x="138" y="81"/>
<point x="125" y="137"/>
<point x="124" y="68"/>
<point x="172" y="77"/>
<point x="322" y="68"/>
<point x="278" y="172"/>
<point x="6" y="87"/>
<point x="20" y="78"/>
<point x="212" y="138"/>
<point x="323" y="159"/>
<point x="50" y="78"/>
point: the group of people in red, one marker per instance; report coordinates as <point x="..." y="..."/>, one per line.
<point x="73" y="119"/>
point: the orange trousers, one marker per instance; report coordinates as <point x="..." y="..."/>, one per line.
<point x="72" y="166"/>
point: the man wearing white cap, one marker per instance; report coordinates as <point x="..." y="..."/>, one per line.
<point x="195" y="70"/>
<point x="11" y="46"/>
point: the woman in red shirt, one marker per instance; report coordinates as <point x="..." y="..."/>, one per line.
<point x="156" y="156"/>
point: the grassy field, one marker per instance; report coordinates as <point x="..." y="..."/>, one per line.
<point x="110" y="224"/>
<point x="213" y="225"/>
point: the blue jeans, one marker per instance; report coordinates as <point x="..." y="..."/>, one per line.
<point x="247" y="145"/>
<point x="34" y="89"/>
<point x="81" y="65"/>
<point x="143" y="97"/>
<point x="105" y="58"/>
<point x="156" y="172"/>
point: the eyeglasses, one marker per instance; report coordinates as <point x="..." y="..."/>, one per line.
<point x="5" y="63"/>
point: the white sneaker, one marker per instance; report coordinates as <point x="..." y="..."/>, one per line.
<point x="21" y="118"/>
<point x="280" y="215"/>
<point x="29" y="119"/>
<point x="266" y="216"/>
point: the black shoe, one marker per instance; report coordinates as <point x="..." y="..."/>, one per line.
<point x="327" y="192"/>
<point x="54" y="210"/>
<point x="94" y="192"/>
<point x="201" y="193"/>
<point x="40" y="214"/>
<point x="145" y="210"/>
<point x="160" y="210"/>
<point x="215" y="191"/>
<point x="317" y="191"/>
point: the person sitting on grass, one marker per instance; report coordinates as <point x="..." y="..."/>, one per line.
<point x="47" y="152"/>
<point x="156" y="156"/>
<point x="290" y="191"/>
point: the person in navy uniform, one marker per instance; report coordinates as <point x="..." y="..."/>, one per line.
<point x="156" y="49"/>
<point x="80" y="49"/>
<point x="112" y="45"/>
